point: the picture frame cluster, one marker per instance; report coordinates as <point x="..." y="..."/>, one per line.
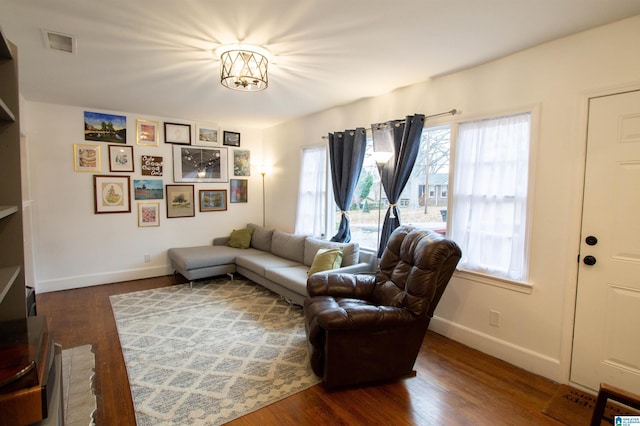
<point x="198" y="157"/>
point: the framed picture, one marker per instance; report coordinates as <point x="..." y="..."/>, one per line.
<point x="148" y="214"/>
<point x="86" y="158"/>
<point x="151" y="165"/>
<point x="177" y="133"/>
<point x="180" y="201"/>
<point x="231" y="138"/>
<point x="213" y="200"/>
<point x="111" y="194"/>
<point x="105" y="127"/>
<point x="120" y="158"/>
<point x="147" y="132"/>
<point x="199" y="164"/>
<point x="207" y="134"/>
<point x="239" y="188"/>
<point x="148" y="189"/>
<point x="241" y="162"/>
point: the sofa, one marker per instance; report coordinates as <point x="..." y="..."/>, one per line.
<point x="277" y="260"/>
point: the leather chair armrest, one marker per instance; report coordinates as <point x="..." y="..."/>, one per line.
<point x="340" y="285"/>
<point x="354" y="314"/>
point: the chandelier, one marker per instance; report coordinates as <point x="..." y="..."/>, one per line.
<point x="244" y="69"/>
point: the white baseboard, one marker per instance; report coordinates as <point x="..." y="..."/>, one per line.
<point x="79" y="281"/>
<point x="524" y="358"/>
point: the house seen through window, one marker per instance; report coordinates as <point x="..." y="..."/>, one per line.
<point x="369" y="204"/>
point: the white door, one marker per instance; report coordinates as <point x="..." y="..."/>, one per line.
<point x="606" y="344"/>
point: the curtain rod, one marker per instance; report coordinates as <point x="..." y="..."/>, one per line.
<point x="450" y="112"/>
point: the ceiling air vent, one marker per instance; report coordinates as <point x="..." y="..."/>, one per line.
<point x="59" y="41"/>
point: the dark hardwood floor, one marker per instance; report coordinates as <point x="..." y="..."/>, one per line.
<point x="455" y="385"/>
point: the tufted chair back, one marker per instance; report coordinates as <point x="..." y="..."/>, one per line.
<point x="414" y="270"/>
<point x="366" y="328"/>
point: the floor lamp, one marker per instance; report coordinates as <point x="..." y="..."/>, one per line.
<point x="383" y="150"/>
<point x="263" y="172"/>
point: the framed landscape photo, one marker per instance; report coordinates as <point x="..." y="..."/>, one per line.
<point x="120" y="158"/>
<point x="111" y="194"/>
<point x="207" y="134"/>
<point x="199" y="164"/>
<point x="147" y="132"/>
<point x="180" y="201"/>
<point x="148" y="214"/>
<point x="231" y="138"/>
<point x="177" y="133"/>
<point x="86" y="158"/>
<point x="105" y="127"/>
<point x="241" y="162"/>
<point x="213" y="200"/>
<point x="239" y="189"/>
<point x="148" y="189"/>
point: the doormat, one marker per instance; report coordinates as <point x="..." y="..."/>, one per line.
<point x="574" y="407"/>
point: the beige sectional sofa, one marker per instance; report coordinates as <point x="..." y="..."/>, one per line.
<point x="277" y="260"/>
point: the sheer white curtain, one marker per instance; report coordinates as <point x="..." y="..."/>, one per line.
<point x="489" y="206"/>
<point x="311" y="214"/>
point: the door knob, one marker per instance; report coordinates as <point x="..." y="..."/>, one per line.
<point x="589" y="260"/>
<point x="591" y="240"/>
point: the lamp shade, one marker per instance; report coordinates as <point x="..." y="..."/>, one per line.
<point x="244" y="70"/>
<point x="383" y="146"/>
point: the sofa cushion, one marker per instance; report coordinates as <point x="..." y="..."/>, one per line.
<point x="188" y="258"/>
<point x="326" y="259"/>
<point x="294" y="278"/>
<point x="261" y="237"/>
<point x="289" y="246"/>
<point x="259" y="261"/>
<point x="350" y="251"/>
<point x="240" y="238"/>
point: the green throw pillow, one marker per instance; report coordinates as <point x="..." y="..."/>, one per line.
<point x="326" y="259"/>
<point x="240" y="238"/>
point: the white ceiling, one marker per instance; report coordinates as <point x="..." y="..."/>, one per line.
<point x="155" y="57"/>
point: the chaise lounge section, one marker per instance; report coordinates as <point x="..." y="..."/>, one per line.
<point x="277" y="260"/>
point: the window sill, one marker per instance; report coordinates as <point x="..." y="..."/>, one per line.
<point x="520" y="287"/>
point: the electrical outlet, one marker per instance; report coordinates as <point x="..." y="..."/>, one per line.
<point x="147" y="258"/>
<point x="494" y="318"/>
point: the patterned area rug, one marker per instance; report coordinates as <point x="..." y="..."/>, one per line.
<point x="79" y="399"/>
<point x="210" y="354"/>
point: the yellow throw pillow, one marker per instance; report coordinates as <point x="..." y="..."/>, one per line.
<point x="240" y="238"/>
<point x="326" y="259"/>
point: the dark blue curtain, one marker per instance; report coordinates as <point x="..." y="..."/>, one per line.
<point x="346" y="152"/>
<point x="406" y="135"/>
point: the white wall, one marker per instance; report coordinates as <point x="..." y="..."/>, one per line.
<point x="557" y="77"/>
<point x="73" y="247"/>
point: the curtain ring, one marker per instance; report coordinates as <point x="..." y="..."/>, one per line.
<point x="345" y="214"/>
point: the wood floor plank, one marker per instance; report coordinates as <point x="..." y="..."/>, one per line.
<point x="454" y="385"/>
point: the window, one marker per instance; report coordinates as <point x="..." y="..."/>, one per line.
<point x="490" y="189"/>
<point x="370" y="205"/>
<point x="311" y="217"/>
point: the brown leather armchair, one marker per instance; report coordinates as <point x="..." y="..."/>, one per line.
<point x="365" y="328"/>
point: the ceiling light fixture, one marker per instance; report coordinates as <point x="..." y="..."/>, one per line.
<point x="244" y="68"/>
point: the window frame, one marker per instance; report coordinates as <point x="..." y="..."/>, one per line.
<point x="329" y="202"/>
<point x="526" y="285"/>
